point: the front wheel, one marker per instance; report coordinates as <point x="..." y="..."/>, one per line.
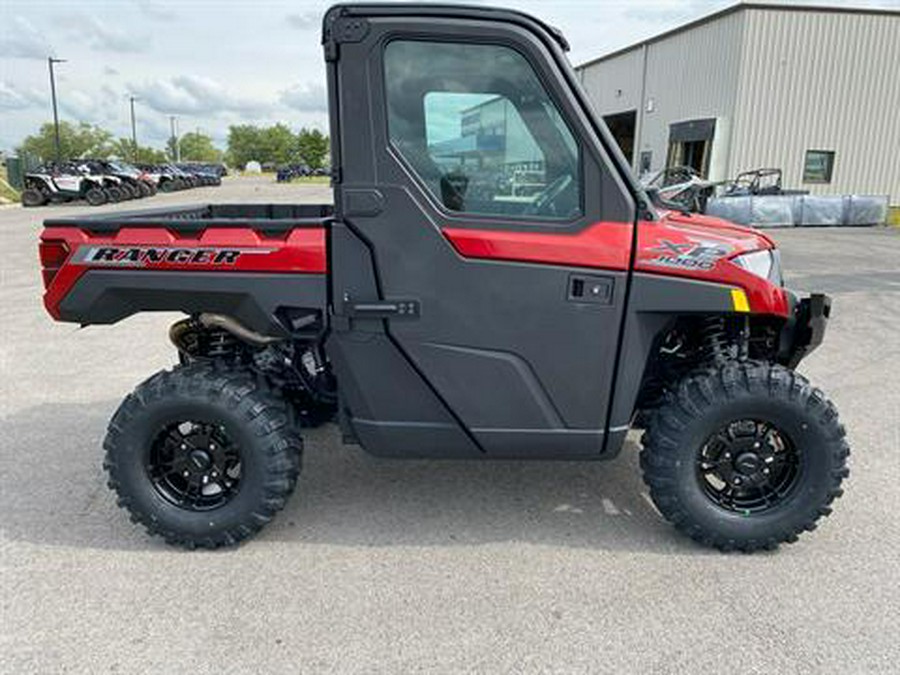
<point x="203" y="455"/>
<point x="745" y="456"/>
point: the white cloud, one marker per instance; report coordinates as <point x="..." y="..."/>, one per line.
<point x="194" y="95"/>
<point x="100" y="36"/>
<point x="14" y="98"/>
<point x="156" y="10"/>
<point x="654" y="12"/>
<point x="305" y="20"/>
<point x="79" y="105"/>
<point x="20" y="39"/>
<point x="104" y="106"/>
<point x="308" y="97"/>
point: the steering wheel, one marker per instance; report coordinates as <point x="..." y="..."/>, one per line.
<point x="544" y="203"/>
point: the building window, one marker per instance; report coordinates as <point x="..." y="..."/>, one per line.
<point x="818" y="166"/>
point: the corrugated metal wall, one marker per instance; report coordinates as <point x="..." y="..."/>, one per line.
<point x="615" y="85"/>
<point x="694" y="75"/>
<point x="780" y="81"/>
<point x="690" y="75"/>
<point x="821" y="81"/>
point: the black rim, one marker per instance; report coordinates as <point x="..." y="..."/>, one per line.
<point x="195" y="465"/>
<point x="748" y="466"/>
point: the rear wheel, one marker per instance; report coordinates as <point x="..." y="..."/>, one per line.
<point x="203" y="455"/>
<point x="33" y="197"/>
<point x="115" y="194"/>
<point x="746" y="456"/>
<point x="144" y="189"/>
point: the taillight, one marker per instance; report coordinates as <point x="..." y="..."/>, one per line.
<point x="53" y="254"/>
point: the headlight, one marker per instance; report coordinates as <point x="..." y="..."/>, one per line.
<point x="765" y="264"/>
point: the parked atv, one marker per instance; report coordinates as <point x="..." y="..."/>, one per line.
<point x="165" y="177"/>
<point x="755" y="183"/>
<point x="116" y="176"/>
<point x="434" y="317"/>
<point x="202" y="174"/>
<point x="680" y="187"/>
<point x="112" y="185"/>
<point x="143" y="184"/>
<point x="61" y="183"/>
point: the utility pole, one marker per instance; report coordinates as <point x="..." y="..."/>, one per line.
<point x="133" y="130"/>
<point x="176" y="150"/>
<point x="50" y="62"/>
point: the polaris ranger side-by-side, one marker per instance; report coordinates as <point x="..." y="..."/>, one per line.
<point x="435" y="311"/>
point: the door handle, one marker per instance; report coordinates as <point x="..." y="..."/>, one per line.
<point x="382" y="309"/>
<point x="591" y="288"/>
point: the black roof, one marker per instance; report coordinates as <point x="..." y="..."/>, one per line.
<point x="455" y="11"/>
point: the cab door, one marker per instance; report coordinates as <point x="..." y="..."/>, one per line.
<point x="483" y="240"/>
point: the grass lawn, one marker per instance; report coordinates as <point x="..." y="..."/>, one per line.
<point x="313" y="180"/>
<point x="6" y="190"/>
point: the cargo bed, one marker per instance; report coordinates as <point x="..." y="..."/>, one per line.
<point x="263" y="264"/>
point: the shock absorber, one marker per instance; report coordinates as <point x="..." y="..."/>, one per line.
<point x="724" y="339"/>
<point x="713" y="340"/>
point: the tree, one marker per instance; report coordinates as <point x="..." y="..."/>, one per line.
<point x="244" y="144"/>
<point x="124" y="148"/>
<point x="197" y="147"/>
<point x="275" y="145"/>
<point x="312" y="147"/>
<point x="279" y="145"/>
<point x="83" y="140"/>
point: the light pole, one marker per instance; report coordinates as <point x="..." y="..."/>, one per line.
<point x="50" y="62"/>
<point x="134" y="145"/>
<point x="176" y="146"/>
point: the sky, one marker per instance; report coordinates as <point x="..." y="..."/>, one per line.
<point x="213" y="63"/>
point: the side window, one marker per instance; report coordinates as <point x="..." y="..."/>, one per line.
<point x="480" y="130"/>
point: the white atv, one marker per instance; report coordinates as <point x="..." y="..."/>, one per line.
<point x="59" y="184"/>
<point x="113" y="186"/>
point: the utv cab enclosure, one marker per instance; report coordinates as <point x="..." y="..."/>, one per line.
<point x="443" y="308"/>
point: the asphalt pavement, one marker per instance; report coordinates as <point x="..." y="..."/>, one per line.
<point x="388" y="566"/>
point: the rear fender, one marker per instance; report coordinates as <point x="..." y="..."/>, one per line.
<point x="257" y="279"/>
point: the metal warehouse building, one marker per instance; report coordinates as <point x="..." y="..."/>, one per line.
<point x="814" y="91"/>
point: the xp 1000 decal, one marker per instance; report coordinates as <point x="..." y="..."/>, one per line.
<point x="696" y="255"/>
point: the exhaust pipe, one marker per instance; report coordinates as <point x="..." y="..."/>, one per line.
<point x="181" y="331"/>
<point x="237" y="329"/>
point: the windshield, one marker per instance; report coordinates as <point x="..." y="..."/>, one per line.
<point x="124" y="168"/>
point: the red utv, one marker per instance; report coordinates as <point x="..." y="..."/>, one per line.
<point x="436" y="312"/>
